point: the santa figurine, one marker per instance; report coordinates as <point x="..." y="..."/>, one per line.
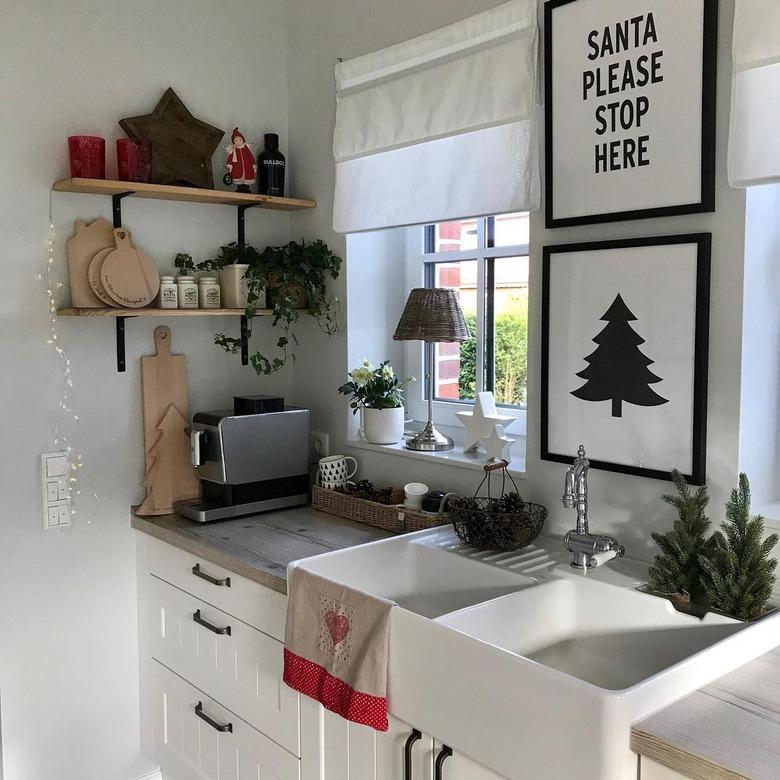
<point x="240" y="163"/>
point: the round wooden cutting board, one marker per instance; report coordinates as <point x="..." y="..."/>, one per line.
<point x="93" y="276"/>
<point x="86" y="242"/>
<point x="127" y="275"/>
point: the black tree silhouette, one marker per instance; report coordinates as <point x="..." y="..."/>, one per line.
<point x="617" y="370"/>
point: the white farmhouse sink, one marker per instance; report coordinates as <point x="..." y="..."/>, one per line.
<point x="418" y="578"/>
<point x="613" y="638"/>
<point x="535" y="670"/>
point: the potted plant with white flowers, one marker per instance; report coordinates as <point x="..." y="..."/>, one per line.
<point x="378" y="394"/>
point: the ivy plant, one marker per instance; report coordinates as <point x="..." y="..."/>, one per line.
<point x="295" y="276"/>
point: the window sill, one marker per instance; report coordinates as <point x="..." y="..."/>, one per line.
<point x="456" y="457"/>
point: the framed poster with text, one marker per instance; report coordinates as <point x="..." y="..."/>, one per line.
<point x="625" y="335"/>
<point x="630" y="104"/>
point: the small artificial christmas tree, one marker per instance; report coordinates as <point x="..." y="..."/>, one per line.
<point x="739" y="574"/>
<point x="618" y="371"/>
<point x="677" y="569"/>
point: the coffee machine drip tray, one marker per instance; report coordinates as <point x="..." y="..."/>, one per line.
<point x="221" y="502"/>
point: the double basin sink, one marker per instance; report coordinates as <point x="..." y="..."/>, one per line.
<point x="529" y="667"/>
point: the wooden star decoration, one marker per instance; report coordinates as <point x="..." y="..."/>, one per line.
<point x="497" y="444"/>
<point x="182" y="146"/>
<point x="480" y="422"/>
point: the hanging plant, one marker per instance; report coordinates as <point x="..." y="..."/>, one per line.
<point x="295" y="277"/>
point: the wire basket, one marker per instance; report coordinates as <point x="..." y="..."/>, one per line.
<point x="503" y="523"/>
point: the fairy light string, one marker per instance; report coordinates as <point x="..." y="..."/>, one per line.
<point x="66" y="413"/>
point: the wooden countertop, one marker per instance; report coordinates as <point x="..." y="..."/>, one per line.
<point x="729" y="730"/>
<point x="259" y="547"/>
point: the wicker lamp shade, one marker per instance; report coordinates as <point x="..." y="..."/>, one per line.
<point x="434" y="315"/>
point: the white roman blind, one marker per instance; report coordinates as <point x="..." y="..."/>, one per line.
<point x="754" y="145"/>
<point x="442" y="126"/>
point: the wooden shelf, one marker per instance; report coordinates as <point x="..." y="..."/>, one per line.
<point x="154" y="312"/>
<point x="186" y="194"/>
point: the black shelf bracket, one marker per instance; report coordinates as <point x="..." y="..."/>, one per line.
<point x="121" y="363"/>
<point x="241" y="210"/>
<point x="244" y="340"/>
<point x="116" y="202"/>
<point x="242" y="223"/>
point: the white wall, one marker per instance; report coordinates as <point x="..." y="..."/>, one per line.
<point x="68" y="657"/>
<point x="627" y="506"/>
<point x="760" y="424"/>
<point x="376" y="293"/>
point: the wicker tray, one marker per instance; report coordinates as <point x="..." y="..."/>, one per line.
<point x="390" y="517"/>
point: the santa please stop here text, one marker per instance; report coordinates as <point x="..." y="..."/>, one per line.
<point x="622" y="114"/>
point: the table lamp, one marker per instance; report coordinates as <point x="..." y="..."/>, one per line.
<point x="432" y="315"/>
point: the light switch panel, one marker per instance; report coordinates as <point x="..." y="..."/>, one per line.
<point x="55" y="489"/>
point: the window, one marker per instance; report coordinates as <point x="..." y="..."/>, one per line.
<point x="486" y="261"/>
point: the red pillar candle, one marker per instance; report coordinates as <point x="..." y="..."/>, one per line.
<point x="87" y="156"/>
<point x="133" y="160"/>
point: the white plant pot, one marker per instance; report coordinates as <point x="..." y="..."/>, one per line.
<point x="234" y="287"/>
<point x="383" y="426"/>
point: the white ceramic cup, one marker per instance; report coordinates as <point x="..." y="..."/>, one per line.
<point x="334" y="471"/>
<point x="415" y="492"/>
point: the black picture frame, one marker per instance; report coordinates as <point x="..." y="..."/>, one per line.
<point x="700" y="356"/>
<point x="708" y="130"/>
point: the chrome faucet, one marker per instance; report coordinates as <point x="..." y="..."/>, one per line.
<point x="588" y="550"/>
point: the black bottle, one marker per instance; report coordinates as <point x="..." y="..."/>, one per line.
<point x="272" y="165"/>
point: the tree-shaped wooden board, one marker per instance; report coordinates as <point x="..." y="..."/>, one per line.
<point x="170" y="476"/>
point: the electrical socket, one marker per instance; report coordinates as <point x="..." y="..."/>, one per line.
<point x="320" y="445"/>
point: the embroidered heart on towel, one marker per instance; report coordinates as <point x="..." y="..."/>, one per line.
<point x="338" y="626"/>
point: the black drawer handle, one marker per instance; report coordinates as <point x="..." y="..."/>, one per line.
<point x="223" y="727"/>
<point x="413" y="737"/>
<point x="210" y="626"/>
<point x="444" y="754"/>
<point x="213" y="580"/>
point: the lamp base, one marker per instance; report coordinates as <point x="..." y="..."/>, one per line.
<point x="430" y="440"/>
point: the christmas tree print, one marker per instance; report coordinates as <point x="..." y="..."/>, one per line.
<point x="618" y="371"/>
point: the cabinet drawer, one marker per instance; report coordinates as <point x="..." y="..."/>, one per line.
<point x="188" y="747"/>
<point x="650" y="770"/>
<point x="260" y="607"/>
<point x="232" y="662"/>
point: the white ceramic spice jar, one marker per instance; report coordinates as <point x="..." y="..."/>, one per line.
<point x="188" y="292"/>
<point x="209" y="292"/>
<point x="169" y="294"/>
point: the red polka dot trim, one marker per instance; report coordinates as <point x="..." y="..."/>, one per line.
<point x="335" y="695"/>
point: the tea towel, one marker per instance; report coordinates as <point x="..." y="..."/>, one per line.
<point x="336" y="647"/>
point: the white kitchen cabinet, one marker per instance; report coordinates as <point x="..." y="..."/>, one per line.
<point x="260" y="607"/>
<point x="652" y="770"/>
<point x="456" y="766"/>
<point x="334" y="749"/>
<point x="197" y="739"/>
<point x="236" y="664"/>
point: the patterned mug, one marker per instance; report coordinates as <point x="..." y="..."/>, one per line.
<point x="334" y="471"/>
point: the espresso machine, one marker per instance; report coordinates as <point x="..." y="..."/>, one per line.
<point x="252" y="458"/>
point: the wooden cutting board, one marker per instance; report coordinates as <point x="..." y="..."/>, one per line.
<point x="127" y="275"/>
<point x="86" y="241"/>
<point x="169" y="474"/>
<point x="94" y="279"/>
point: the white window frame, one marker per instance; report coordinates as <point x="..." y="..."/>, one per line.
<point x="416" y="258"/>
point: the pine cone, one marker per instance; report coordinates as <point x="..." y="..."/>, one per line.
<point x="511" y="503"/>
<point x="365" y="485"/>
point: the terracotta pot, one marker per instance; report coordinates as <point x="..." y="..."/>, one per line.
<point x="383" y="426"/>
